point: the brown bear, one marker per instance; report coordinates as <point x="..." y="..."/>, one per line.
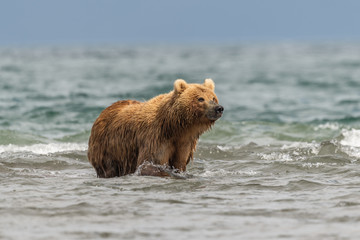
<point x="156" y="135"/>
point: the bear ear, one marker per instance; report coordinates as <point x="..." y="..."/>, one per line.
<point x="209" y="83"/>
<point x="179" y="86"/>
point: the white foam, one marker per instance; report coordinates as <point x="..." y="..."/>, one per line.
<point x="313" y="147"/>
<point x="351" y="138"/>
<point x="331" y="126"/>
<point x="43" y="149"/>
<point x="224" y="148"/>
<point x="313" y="165"/>
<point x="275" y="156"/>
<point x="350" y="144"/>
<point x="222" y="173"/>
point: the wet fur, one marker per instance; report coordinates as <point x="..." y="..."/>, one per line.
<point x="163" y="130"/>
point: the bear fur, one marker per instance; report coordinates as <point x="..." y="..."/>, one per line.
<point x="162" y="131"/>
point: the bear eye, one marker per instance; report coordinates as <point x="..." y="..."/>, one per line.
<point x="201" y="99"/>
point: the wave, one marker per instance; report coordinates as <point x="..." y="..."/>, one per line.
<point x="342" y="147"/>
<point x="227" y="141"/>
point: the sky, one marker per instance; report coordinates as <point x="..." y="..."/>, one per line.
<point x="58" y="22"/>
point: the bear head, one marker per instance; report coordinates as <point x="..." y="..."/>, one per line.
<point x="198" y="101"/>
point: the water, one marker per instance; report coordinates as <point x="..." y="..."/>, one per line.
<point x="283" y="162"/>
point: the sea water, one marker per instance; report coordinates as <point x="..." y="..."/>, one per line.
<point x="282" y="162"/>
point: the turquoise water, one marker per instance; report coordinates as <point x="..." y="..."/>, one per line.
<point x="282" y="162"/>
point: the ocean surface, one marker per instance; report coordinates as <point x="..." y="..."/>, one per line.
<point x="282" y="163"/>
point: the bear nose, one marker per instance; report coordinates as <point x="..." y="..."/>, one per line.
<point x="219" y="109"/>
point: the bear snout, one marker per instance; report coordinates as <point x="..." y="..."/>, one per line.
<point x="219" y="109"/>
<point x="215" y="112"/>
